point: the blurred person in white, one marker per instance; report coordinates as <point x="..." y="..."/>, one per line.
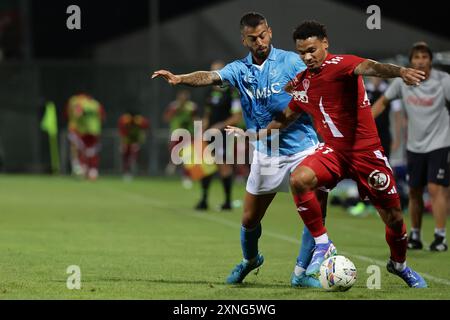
<point x="428" y="143"/>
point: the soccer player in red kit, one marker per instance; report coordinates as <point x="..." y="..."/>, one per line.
<point x="332" y="91"/>
<point x="132" y="132"/>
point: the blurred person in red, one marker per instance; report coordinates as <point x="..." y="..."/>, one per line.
<point x="71" y="113"/>
<point x="85" y="116"/>
<point x="132" y="130"/>
<point x="181" y="114"/>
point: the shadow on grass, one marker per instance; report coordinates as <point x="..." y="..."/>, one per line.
<point x="245" y="285"/>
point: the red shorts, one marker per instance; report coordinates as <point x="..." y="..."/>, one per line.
<point x="89" y="140"/>
<point x="370" y="170"/>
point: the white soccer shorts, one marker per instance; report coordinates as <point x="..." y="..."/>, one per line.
<point x="271" y="174"/>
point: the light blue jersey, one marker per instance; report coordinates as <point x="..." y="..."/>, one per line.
<point x="263" y="96"/>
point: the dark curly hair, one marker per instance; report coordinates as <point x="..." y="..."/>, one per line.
<point x="309" y="29"/>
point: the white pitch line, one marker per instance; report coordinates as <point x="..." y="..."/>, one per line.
<point x="274" y="235"/>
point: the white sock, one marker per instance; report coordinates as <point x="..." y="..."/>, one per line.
<point x="415" y="233"/>
<point x="440" y="232"/>
<point x="321" y="239"/>
<point x="298" y="270"/>
<point x="399" y="266"/>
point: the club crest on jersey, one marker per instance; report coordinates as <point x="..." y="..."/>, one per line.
<point x="273" y="73"/>
<point x="305" y="83"/>
<point x="302" y="95"/>
<point x="378" y="180"/>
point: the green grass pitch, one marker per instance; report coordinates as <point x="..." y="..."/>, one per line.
<point x="143" y="240"/>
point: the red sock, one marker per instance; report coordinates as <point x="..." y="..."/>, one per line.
<point x="398" y="242"/>
<point x="309" y="209"/>
<point x="126" y="155"/>
<point x="93" y="161"/>
<point x="81" y="157"/>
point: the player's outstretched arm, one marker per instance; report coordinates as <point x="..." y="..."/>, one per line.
<point x="230" y="122"/>
<point x="194" y="79"/>
<point x="282" y="120"/>
<point x="387" y="70"/>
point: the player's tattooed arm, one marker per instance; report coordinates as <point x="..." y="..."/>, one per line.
<point x="387" y="70"/>
<point x="194" y="79"/>
<point x="201" y="78"/>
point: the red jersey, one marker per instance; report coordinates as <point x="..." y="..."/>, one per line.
<point x="337" y="100"/>
<point x="132" y="128"/>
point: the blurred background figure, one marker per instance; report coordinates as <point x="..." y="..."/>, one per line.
<point x="49" y="124"/>
<point x="133" y="131"/>
<point x="428" y="143"/>
<point x="72" y="113"/>
<point x="85" y="116"/>
<point x="180" y="114"/>
<point x="222" y="108"/>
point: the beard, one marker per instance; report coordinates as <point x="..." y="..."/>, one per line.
<point x="262" y="54"/>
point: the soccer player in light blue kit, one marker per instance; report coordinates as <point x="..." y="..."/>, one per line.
<point x="260" y="78"/>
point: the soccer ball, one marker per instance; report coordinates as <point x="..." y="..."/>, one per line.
<point x="337" y="273"/>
